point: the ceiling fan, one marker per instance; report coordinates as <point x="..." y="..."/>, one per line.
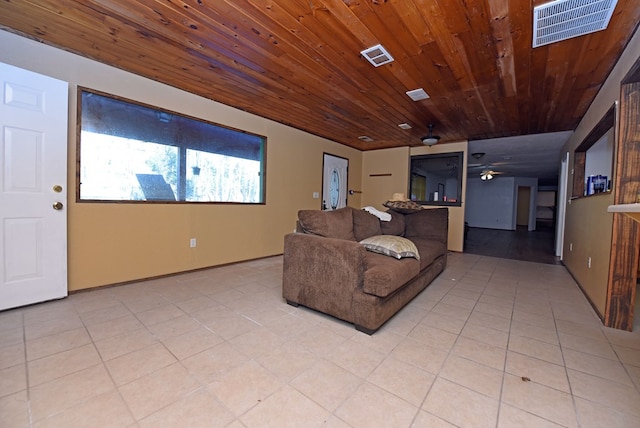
<point x="488" y="174"/>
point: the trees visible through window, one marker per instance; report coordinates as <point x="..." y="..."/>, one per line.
<point x="133" y="152"/>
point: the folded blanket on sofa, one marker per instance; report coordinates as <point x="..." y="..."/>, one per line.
<point x="381" y="215"/>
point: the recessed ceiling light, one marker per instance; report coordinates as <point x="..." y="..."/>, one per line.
<point x="417" y="94"/>
<point x="405" y="126"/>
<point x="365" y="138"/>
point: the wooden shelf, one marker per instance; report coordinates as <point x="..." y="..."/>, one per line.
<point x="632" y="210"/>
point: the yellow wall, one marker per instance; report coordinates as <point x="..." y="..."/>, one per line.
<point x="588" y="224"/>
<point x="112" y="243"/>
<point x="394" y="165"/>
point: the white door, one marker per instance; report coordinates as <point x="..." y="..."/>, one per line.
<point x="562" y="204"/>
<point x="334" y="182"/>
<point x="33" y="193"/>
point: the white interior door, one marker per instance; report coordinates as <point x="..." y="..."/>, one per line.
<point x="561" y="208"/>
<point x="33" y="194"/>
<point x="334" y="182"/>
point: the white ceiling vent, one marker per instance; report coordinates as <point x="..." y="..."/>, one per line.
<point x="564" y="19"/>
<point x="377" y="55"/>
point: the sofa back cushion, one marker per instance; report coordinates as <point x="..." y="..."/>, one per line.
<point x="330" y="224"/>
<point x="365" y="225"/>
<point x="395" y="226"/>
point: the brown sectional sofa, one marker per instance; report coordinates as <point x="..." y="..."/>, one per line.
<point x="327" y="269"/>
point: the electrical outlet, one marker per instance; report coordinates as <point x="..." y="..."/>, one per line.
<point x="589" y="263"/>
<point x="192" y="243"/>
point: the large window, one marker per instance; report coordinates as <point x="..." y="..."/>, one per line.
<point x="133" y="152"/>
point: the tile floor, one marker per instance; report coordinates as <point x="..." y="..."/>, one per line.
<point x="490" y="343"/>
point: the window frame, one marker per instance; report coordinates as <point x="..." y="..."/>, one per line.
<point x="181" y="148"/>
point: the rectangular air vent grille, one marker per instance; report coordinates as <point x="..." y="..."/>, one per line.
<point x="377" y="55"/>
<point x="565" y="19"/>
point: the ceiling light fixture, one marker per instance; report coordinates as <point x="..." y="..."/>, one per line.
<point x="430" y="139"/>
<point x="487" y="174"/>
<point x="477" y="155"/>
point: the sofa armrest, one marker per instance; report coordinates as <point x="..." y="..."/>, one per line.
<point x="322" y="273"/>
<point x="432" y="223"/>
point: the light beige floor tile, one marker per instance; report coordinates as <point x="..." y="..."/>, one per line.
<point x="214" y="362"/>
<point x="600" y="348"/>
<point x="530" y="331"/>
<point x="159" y="314"/>
<point x="480" y="352"/>
<point x="355" y="357"/>
<point x="590" y="330"/>
<point x="11" y="320"/>
<point x="634" y="374"/>
<point x="595" y="415"/>
<point x="627" y="339"/>
<point x="597" y="366"/>
<point x="420" y="355"/>
<point x="257" y="342"/>
<point x="12" y="336"/>
<point x="461" y="406"/>
<point x="11" y="355"/>
<point x="14" y="410"/>
<point x="231" y="326"/>
<point x="512" y="417"/>
<point x="114" y="310"/>
<point x="136" y="364"/>
<point x="117" y="346"/>
<point x="192" y="343"/>
<point x="61" y="364"/>
<point x="383" y="340"/>
<point x="451" y="311"/>
<point x="144" y="301"/>
<point x="487" y="335"/>
<point x="286" y="408"/>
<point x="475" y="376"/>
<point x="47" y="328"/>
<point x="322" y="341"/>
<point x="159" y="389"/>
<point x="244" y="387"/>
<point x="371" y="406"/>
<point x="197" y="304"/>
<point x="327" y="384"/>
<point x="541" y="321"/>
<point x="117" y="327"/>
<point x="534" y="348"/>
<point x="466" y="302"/>
<point x="427" y="420"/>
<point x="542" y="401"/>
<point x="174" y="327"/>
<point x="402" y="379"/>
<point x="450" y="324"/>
<point x="491" y="321"/>
<point x="13" y="379"/>
<point x="539" y="371"/>
<point x="54" y="343"/>
<point x="106" y="410"/>
<point x="612" y="394"/>
<point x="288" y="361"/>
<point x="433" y="336"/>
<point x="60" y="394"/>
<point x="628" y="356"/>
<point x="198" y="409"/>
<point x="498" y="311"/>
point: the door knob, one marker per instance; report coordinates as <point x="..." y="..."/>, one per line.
<point x="57" y="205"/>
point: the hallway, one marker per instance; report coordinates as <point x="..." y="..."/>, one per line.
<point x="535" y="246"/>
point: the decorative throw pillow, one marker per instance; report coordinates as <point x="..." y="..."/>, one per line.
<point x="391" y="245"/>
<point x="404" y="207"/>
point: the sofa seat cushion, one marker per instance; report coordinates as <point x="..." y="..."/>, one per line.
<point x="429" y="250"/>
<point x="383" y="275"/>
<point x="330" y="224"/>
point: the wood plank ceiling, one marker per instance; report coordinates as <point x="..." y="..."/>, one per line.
<point x="298" y="62"/>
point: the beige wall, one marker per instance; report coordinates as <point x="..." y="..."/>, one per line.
<point x="456" y="214"/>
<point x="588" y="224"/>
<point x="386" y="171"/>
<point x="112" y="243"/>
